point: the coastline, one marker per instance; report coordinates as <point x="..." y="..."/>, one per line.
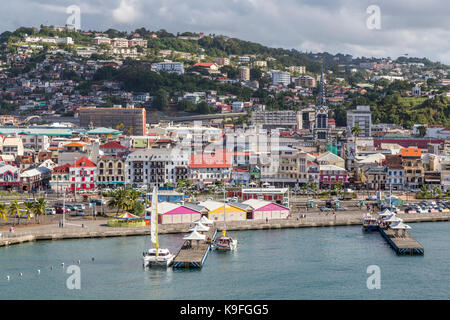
<point x="98" y="229"/>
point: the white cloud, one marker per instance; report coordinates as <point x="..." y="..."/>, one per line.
<point x="127" y="12"/>
<point x="407" y="26"/>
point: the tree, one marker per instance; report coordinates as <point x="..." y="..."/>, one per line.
<point x="356" y="130"/>
<point x="119" y="200"/>
<point x="3" y="211"/>
<point x="160" y="100"/>
<point x="422" y="131"/>
<point x="14" y="210"/>
<point x="203" y="108"/>
<point x="39" y="207"/>
<point x="29" y="207"/>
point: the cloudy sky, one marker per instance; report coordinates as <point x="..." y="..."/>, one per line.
<point x="413" y="27"/>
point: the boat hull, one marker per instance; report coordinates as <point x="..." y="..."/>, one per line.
<point x="230" y="247"/>
<point x="160" y="262"/>
<point x="370" y="228"/>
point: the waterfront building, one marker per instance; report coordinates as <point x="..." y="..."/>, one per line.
<point x="218" y="211"/>
<point x="413" y="167"/>
<point x="286" y="168"/>
<point x="170" y="212"/>
<point x="266" y="210"/>
<point x="132" y="120"/>
<point x="111" y="171"/>
<point x="376" y="177"/>
<point x="156" y="167"/>
<point x="313" y="173"/>
<point x="206" y="169"/>
<point x="395" y="172"/>
<point x="60" y="178"/>
<point x="36" y="179"/>
<point x="82" y="175"/>
<point x="9" y="177"/>
<point x="240" y="176"/>
<point x="330" y="174"/>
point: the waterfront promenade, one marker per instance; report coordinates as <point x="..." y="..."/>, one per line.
<point x="99" y="229"/>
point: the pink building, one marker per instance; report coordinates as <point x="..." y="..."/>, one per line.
<point x="330" y="174"/>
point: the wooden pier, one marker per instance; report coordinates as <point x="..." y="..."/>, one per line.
<point x="403" y="244"/>
<point x="193" y="253"/>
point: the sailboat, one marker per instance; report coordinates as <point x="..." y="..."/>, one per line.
<point x="225" y="243"/>
<point x="156" y="256"/>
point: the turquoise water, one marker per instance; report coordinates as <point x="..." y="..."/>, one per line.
<point x="310" y="263"/>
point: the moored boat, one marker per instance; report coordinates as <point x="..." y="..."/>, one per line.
<point x="156" y="256"/>
<point x="369" y="223"/>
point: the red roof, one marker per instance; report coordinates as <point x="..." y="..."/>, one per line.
<point x="112" y="145"/>
<point x="219" y="160"/>
<point x="204" y="64"/>
<point x="83" y="163"/>
<point x="411" y="152"/>
<point x="63" y="168"/>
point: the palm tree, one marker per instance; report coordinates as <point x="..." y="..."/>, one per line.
<point x="3" y="211"/>
<point x="39" y="207"/>
<point x="29" y="207"/>
<point x="356" y="130"/>
<point x="120" y="200"/>
<point x="14" y="210"/>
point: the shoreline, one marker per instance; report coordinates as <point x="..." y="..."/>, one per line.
<point x="98" y="229"/>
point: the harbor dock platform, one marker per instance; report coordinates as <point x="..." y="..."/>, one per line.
<point x="194" y="253"/>
<point x="402" y="245"/>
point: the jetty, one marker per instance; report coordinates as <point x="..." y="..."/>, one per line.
<point x="193" y="253"/>
<point x="404" y="244"/>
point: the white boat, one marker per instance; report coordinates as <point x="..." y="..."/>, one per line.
<point x="225" y="243"/>
<point x="156" y="256"/>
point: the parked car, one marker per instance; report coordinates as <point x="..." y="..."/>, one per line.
<point x="80" y="213"/>
<point x="79" y="206"/>
<point x="325" y="209"/>
<point x="50" y="211"/>
<point x="60" y="210"/>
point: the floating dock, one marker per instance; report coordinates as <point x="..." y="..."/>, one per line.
<point x="194" y="256"/>
<point x="402" y="245"/>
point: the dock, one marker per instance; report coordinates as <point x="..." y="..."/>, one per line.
<point x="402" y="245"/>
<point x="194" y="255"/>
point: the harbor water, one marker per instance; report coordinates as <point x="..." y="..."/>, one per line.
<point x="304" y="263"/>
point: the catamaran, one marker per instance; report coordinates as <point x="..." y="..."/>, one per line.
<point x="156" y="256"/>
<point x="224" y="243"/>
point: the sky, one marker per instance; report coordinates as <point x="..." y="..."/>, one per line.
<point x="370" y="28"/>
